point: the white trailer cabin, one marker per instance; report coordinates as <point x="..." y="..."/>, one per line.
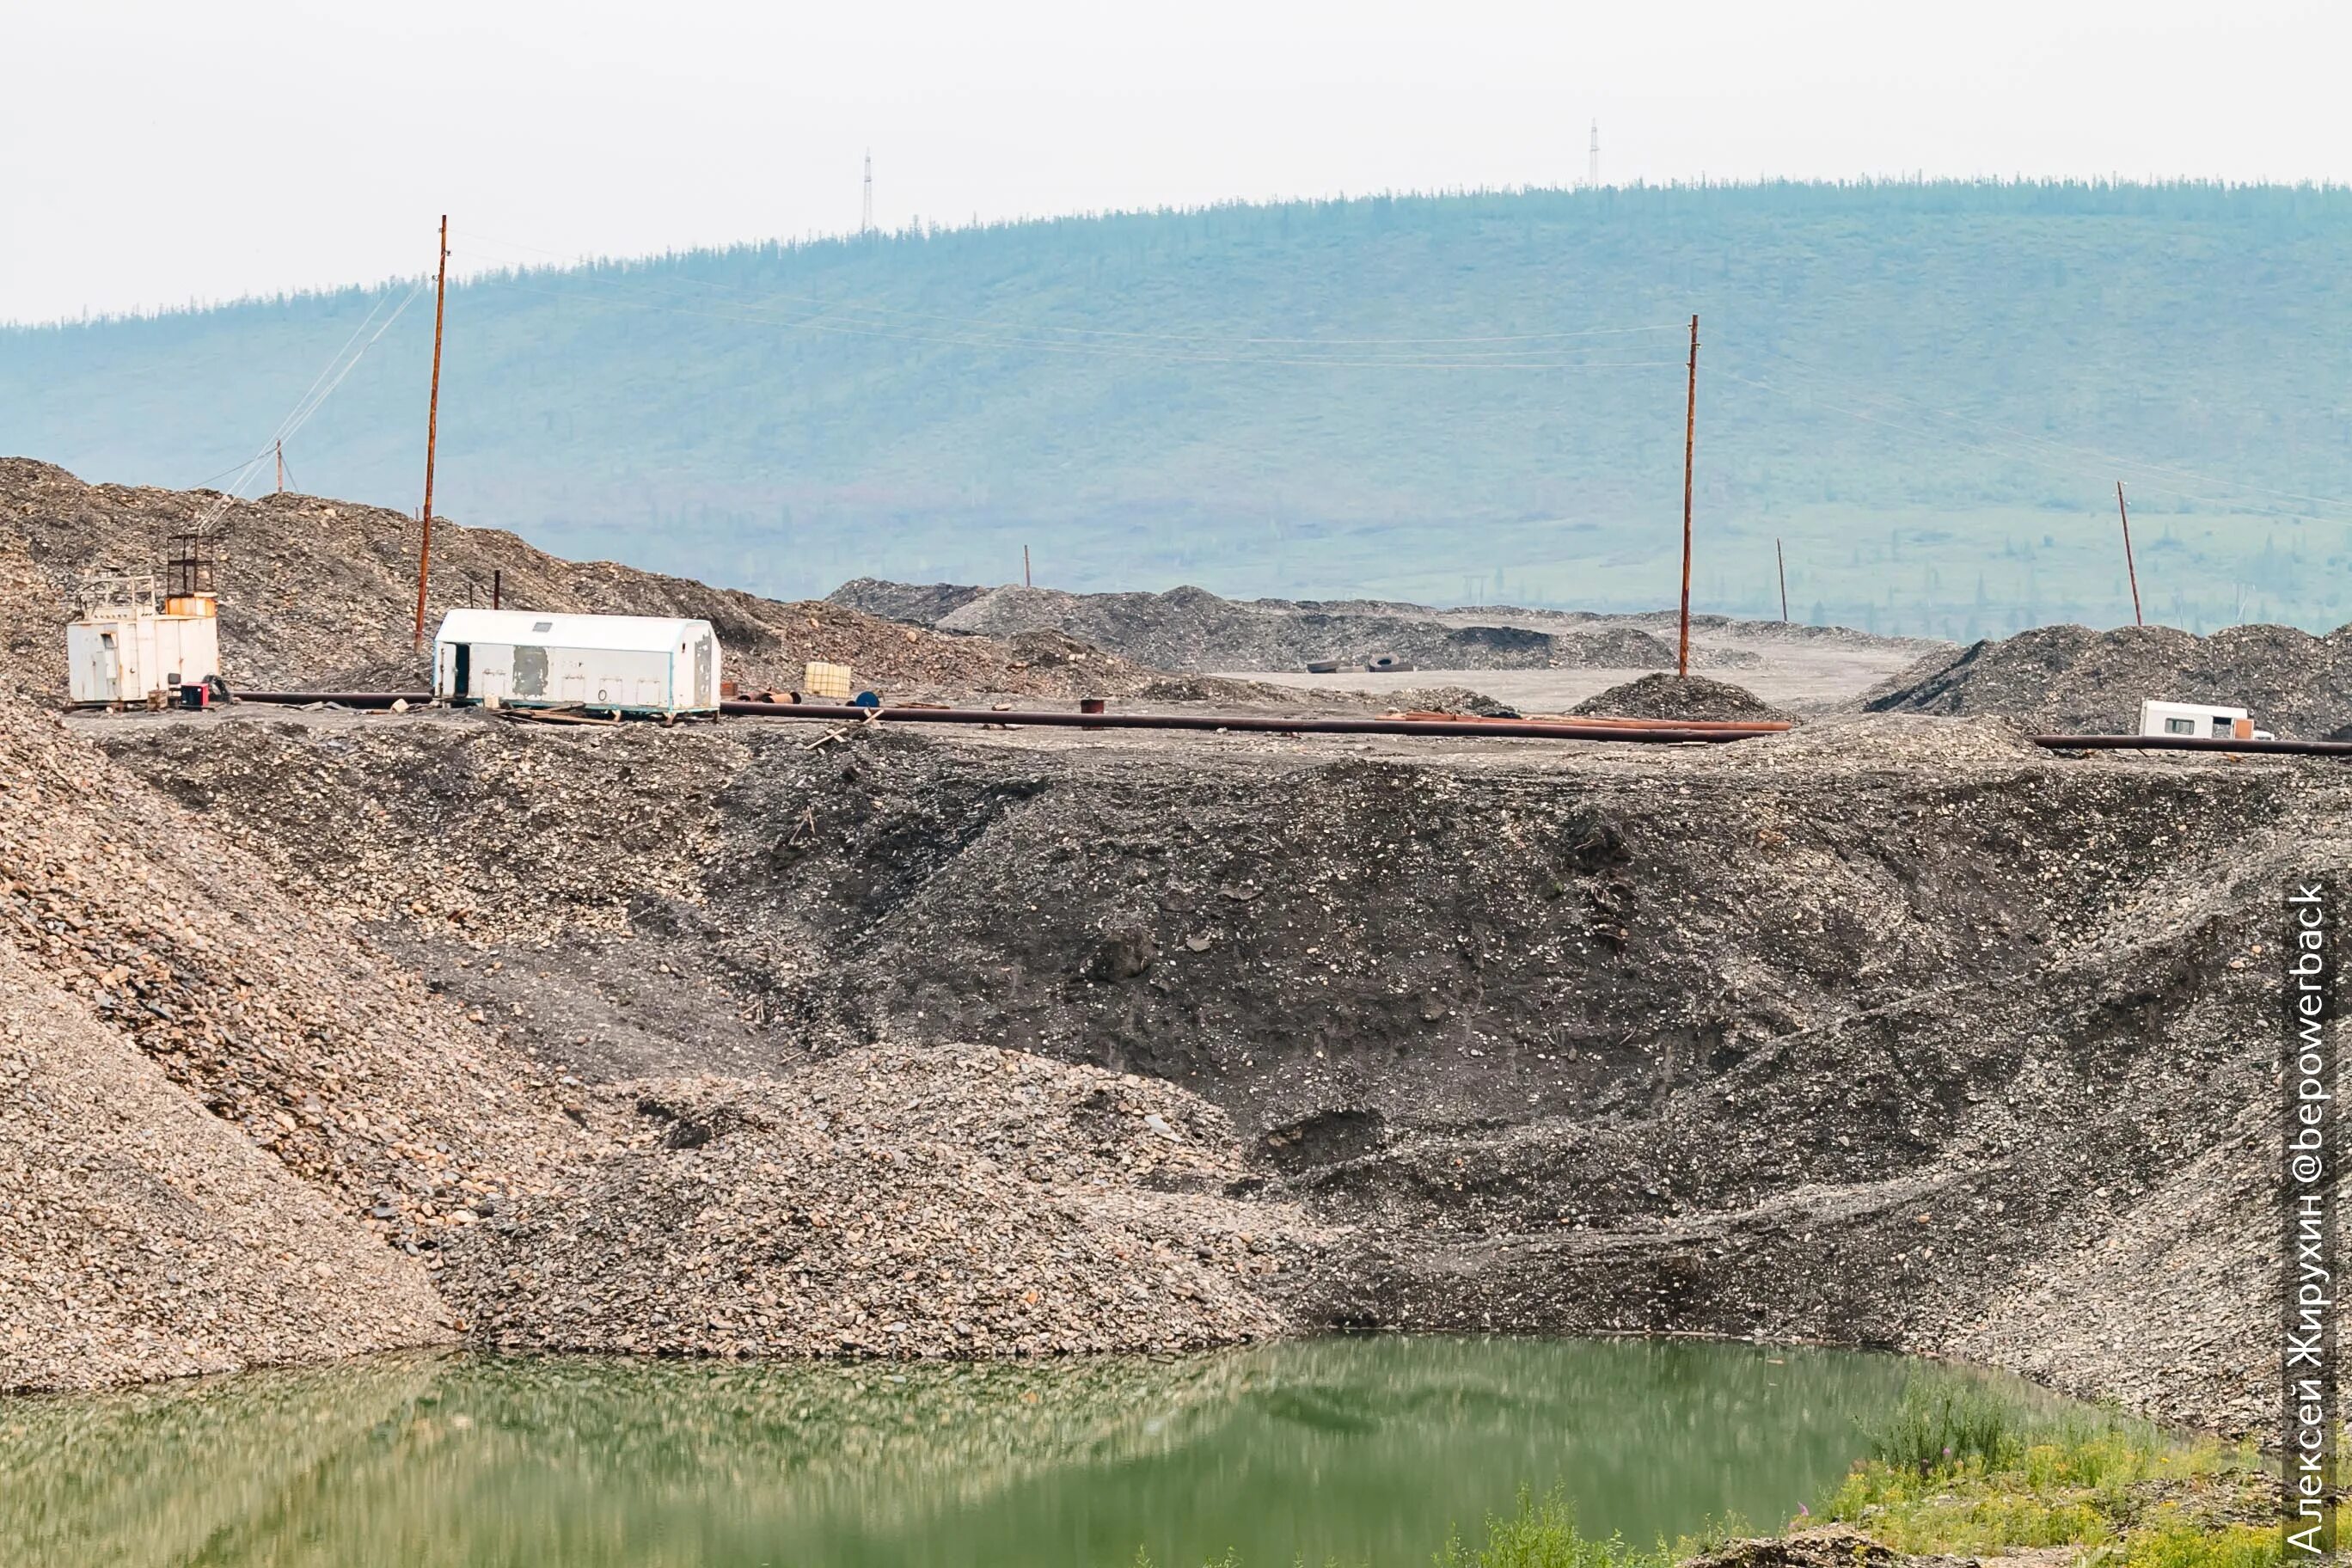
<point x="2200" y="721"/>
<point x="125" y="648"/>
<point x="529" y="658"/>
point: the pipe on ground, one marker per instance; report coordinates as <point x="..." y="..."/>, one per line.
<point x="1489" y="729"/>
<point x="2193" y="744"/>
<point x="1646" y="731"/>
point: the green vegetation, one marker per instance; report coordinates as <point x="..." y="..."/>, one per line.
<point x="1927" y="390"/>
<point x="1543" y="1535"/>
<point x="1950" y="1473"/>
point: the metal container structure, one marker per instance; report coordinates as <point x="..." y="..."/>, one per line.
<point x="124" y="648"/>
<point x="2206" y="719"/>
<point x="529" y="658"/>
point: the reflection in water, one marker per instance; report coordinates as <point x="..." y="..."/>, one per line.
<point x="1365" y="1449"/>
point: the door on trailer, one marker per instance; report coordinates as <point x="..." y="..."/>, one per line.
<point x="102" y="677"/>
<point x="461" y="669"/>
<point x="705" y="696"/>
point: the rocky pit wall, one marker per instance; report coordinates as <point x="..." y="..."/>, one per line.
<point x="239" y="1132"/>
<point x="1891" y="1031"/>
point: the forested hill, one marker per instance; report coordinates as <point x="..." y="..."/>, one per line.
<point x="1926" y="391"/>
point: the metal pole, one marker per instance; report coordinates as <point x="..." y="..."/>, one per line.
<point x="1783" y="562"/>
<point x="432" y="434"/>
<point x="1690" y="441"/>
<point x="280" y="447"/>
<point x="496" y="583"/>
<point x="1025" y="568"/>
<point x="2130" y="570"/>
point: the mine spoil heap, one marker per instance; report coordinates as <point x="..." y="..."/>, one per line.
<point x="332" y="1032"/>
<point x="900" y="1201"/>
<point x="1191" y="628"/>
<point x="2074" y="680"/>
<point x="320" y="595"/>
<point x="1610" y="1039"/>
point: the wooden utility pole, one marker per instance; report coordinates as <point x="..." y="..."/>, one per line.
<point x="2129" y="570"/>
<point x="1025" y="568"/>
<point x="1783" y="562"/>
<point x="1690" y="443"/>
<point x="432" y="434"/>
<point x="280" y="447"/>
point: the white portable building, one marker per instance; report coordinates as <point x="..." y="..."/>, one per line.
<point x="124" y="648"/>
<point x="527" y="658"/>
<point x="2200" y="721"/>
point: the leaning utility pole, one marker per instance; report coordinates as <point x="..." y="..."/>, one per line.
<point x="280" y="449"/>
<point x="2129" y="570"/>
<point x="1025" y="568"/>
<point x="432" y="434"/>
<point x="1690" y="443"/>
<point x="1783" y="562"/>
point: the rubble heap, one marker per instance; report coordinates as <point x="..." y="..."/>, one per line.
<point x="897" y="1201"/>
<point x="1675" y="697"/>
<point x="319" y="595"/>
<point x="165" y="953"/>
<point x="1564" y="1039"/>
<point x="2074" y="680"/>
<point x="140" y="1238"/>
<point x="1191" y="628"/>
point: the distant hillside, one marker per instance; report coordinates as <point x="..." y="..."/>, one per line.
<point x="1925" y="391"/>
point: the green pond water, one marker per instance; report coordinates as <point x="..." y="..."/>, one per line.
<point x="1362" y="1449"/>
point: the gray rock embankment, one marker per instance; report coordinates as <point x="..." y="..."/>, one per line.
<point x="2074" y="680"/>
<point x="893" y="1201"/>
<point x="232" y="1136"/>
<point x="142" y="1237"/>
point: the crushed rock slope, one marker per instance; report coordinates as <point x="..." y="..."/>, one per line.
<point x="1606" y="1038"/>
<point x="1191" y="628"/>
<point x="140" y="1238"/>
<point x="2073" y="680"/>
<point x="174" y="940"/>
<point x="891" y="1201"/>
<point x="319" y="595"/>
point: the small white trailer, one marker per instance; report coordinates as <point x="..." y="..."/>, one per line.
<point x="531" y="659"/>
<point x="2199" y="720"/>
<point x="127" y="648"/>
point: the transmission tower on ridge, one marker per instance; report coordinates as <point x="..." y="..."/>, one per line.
<point x="1592" y="159"/>
<point x="865" y="220"/>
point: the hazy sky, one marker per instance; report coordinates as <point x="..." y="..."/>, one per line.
<point x="156" y="151"/>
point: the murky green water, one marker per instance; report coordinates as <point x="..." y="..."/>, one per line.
<point x="1364" y="1449"/>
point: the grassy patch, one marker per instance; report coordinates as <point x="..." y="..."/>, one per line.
<point x="1542" y="1533"/>
<point x="1951" y="1474"/>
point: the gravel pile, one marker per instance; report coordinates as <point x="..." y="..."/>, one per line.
<point x="2178" y="1279"/>
<point x="1447" y="699"/>
<point x="173" y="942"/>
<point x="1191" y="628"/>
<point x="895" y="1201"/>
<point x="2074" y="680"/>
<point x="320" y="594"/>
<point x="142" y="1238"/>
<point x="1562" y="1039"/>
<point x="233" y="1128"/>
<point x="1675" y="697"/>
